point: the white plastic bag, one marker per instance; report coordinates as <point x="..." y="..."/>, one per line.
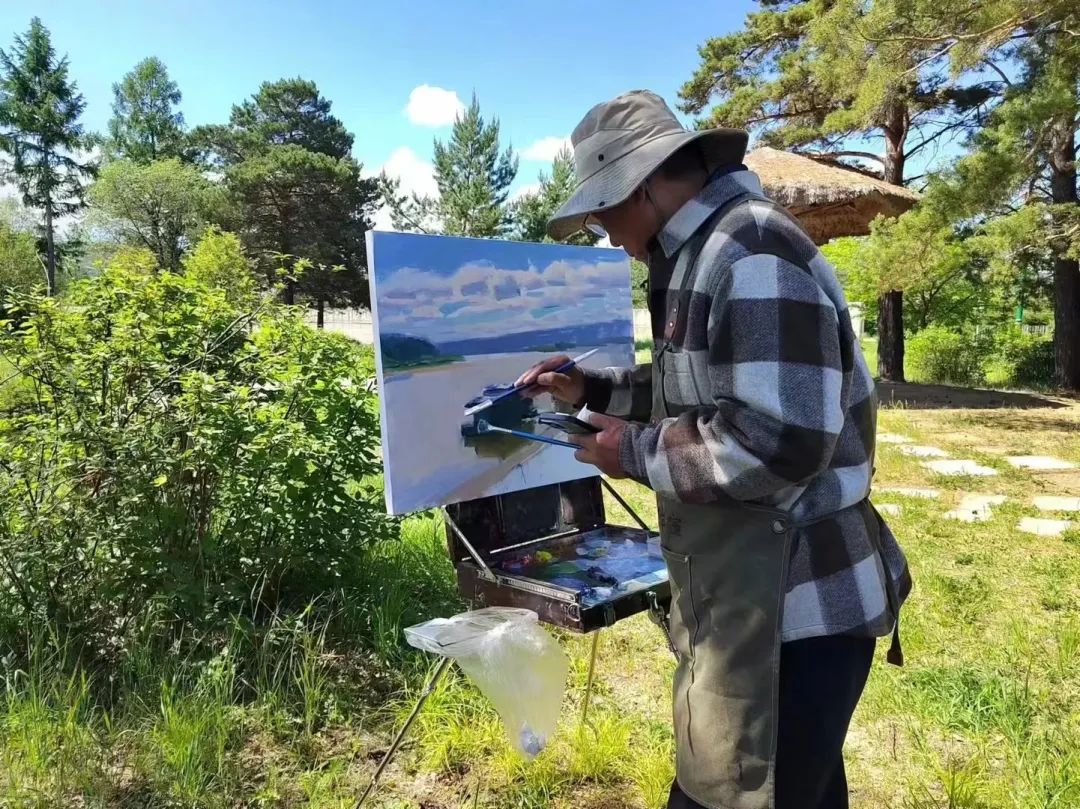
<point x="514" y="663"/>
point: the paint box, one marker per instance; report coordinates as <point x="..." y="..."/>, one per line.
<point x="538" y="549"/>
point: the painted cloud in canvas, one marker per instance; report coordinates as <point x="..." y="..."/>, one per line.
<point x="455" y="316"/>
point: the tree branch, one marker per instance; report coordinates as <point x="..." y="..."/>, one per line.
<point x="845" y="153"/>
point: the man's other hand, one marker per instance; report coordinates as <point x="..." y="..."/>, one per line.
<point x="568" y="387"/>
<point x="602" y="449"/>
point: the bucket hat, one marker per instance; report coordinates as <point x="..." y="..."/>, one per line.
<point x="620" y="143"/>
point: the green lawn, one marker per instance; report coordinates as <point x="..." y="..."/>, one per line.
<point x="985" y="714"/>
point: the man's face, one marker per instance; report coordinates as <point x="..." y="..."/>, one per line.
<point x="631" y="225"/>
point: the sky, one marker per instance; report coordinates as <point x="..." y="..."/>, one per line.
<point x="447" y="289"/>
<point x="396" y="73"/>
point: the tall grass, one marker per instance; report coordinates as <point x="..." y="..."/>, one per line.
<point x="297" y="710"/>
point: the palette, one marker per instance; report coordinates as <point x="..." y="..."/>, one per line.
<point x="550" y="549"/>
<point x="598" y="565"/>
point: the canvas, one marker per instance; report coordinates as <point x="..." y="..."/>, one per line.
<point x="454" y="317"/>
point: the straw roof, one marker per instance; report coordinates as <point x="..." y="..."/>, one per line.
<point x="829" y="200"/>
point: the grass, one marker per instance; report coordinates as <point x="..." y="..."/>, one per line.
<point x="985" y="714"/>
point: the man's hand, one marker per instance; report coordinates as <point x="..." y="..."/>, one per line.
<point x="602" y="449"/>
<point x="568" y="387"/>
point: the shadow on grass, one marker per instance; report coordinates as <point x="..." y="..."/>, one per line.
<point x="949" y="397"/>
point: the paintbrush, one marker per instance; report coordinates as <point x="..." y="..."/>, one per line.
<point x="562" y="369"/>
<point x="484" y="428"/>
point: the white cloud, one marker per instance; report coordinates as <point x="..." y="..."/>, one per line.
<point x="415" y="175"/>
<point x="545" y="149"/>
<point x="433" y="106"/>
<point x="525" y="190"/>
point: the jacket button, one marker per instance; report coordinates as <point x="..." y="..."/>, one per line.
<point x="778" y="526"/>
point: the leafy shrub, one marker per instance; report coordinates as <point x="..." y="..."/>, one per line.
<point x="178" y="448"/>
<point x="937" y="354"/>
<point x="1021" y="360"/>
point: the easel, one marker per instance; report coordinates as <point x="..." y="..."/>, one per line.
<point x="503" y="519"/>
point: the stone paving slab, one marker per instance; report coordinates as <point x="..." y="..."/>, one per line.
<point x="892" y="438"/>
<point x="976" y="507"/>
<point x="1040" y="463"/>
<point x="1042" y="527"/>
<point x="1050" y="503"/>
<point x="923" y="452"/>
<point x="892" y="509"/>
<point x="911" y="491"/>
<point x="959" y="467"/>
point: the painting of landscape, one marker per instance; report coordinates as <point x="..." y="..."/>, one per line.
<point x="454" y="319"/>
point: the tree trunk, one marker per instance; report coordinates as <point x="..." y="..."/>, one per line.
<point x="319" y="322"/>
<point x="290" y="292"/>
<point x="50" y="249"/>
<point x="1066" y="271"/>
<point x="891" y="304"/>
<point x="890" y="324"/>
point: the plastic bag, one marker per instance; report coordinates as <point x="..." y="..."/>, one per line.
<point x="514" y="663"/>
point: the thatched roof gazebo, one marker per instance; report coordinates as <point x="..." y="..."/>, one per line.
<point x="829" y="200"/>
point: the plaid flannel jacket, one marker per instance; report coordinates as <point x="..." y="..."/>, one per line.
<point x="779" y="407"/>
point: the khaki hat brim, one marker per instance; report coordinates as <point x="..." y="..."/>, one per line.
<point x="613" y="184"/>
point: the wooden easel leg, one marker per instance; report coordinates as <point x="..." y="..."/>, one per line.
<point x="444" y="664"/>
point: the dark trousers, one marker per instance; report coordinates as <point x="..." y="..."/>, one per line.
<point x="821" y="680"/>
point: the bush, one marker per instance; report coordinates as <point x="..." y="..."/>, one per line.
<point x="937" y="354"/>
<point x="178" y="449"/>
<point x="1021" y="360"/>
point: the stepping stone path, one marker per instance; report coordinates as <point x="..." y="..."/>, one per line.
<point x="892" y="438"/>
<point x="975" y="507"/>
<point x="907" y="491"/>
<point x="892" y="509"/>
<point x="1042" y="527"/>
<point x="956" y="468"/>
<point x="923" y="452"/>
<point x="1049" y="503"/>
<point x="1040" y="463"/>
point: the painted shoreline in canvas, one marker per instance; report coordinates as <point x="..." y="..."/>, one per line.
<point x="452" y="315"/>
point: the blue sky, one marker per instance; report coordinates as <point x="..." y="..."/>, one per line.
<point x="445" y="288"/>
<point x="537" y="66"/>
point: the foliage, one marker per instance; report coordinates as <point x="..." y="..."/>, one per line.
<point x="1026" y="150"/>
<point x="20" y="263"/>
<point x="296" y="190"/>
<point x="473" y="178"/>
<point x="162" y="205"/>
<point x="938" y="354"/>
<point x="40" y="130"/>
<point x="172" y="444"/>
<point x="639" y="283"/>
<point x="146" y="126"/>
<point x="1020" y="360"/>
<point x="532" y="211"/>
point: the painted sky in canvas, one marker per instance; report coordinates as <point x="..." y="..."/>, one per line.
<point x="453" y="289"/>
<point x="454" y="315"/>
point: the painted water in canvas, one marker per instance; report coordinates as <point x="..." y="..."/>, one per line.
<point x="454" y="320"/>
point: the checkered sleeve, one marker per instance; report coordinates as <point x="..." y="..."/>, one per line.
<point x="772" y="358"/>
<point x="622" y="392"/>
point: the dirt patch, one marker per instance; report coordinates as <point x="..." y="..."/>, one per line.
<point x="1064" y="483"/>
<point x="947" y="397"/>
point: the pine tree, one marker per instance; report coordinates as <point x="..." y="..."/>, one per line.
<point x="532" y="211"/>
<point x="146" y="126"/>
<point x="800" y="75"/>
<point x="296" y="189"/>
<point x="473" y="177"/>
<point x="40" y="131"/>
<point x="1022" y="165"/>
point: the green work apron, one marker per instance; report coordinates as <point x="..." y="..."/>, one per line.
<point x="727" y="563"/>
